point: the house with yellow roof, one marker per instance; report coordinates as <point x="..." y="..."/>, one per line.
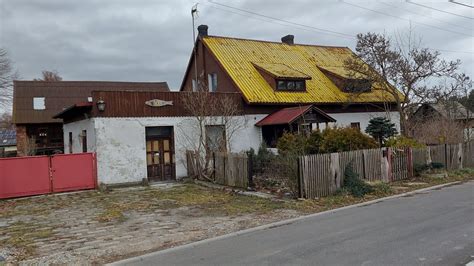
<point x="273" y="86"/>
<point x="282" y="80"/>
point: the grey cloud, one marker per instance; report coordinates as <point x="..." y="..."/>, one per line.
<point x="149" y="40"/>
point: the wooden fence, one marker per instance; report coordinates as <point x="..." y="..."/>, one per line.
<point x="452" y="156"/>
<point x="229" y="169"/>
<point x="322" y="174"/>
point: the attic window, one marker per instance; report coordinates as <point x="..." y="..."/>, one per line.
<point x="357" y="85"/>
<point x="291" y="85"/>
<point x="38" y="103"/>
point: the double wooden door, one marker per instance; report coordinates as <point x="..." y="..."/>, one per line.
<point x="160" y="159"/>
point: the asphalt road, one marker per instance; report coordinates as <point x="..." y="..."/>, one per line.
<point x="430" y="228"/>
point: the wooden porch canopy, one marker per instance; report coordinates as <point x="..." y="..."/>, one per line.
<point x="307" y="114"/>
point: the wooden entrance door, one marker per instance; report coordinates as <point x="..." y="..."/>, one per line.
<point x="159" y="157"/>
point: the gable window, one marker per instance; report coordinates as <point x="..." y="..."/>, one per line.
<point x="212" y="81"/>
<point x="355" y="125"/>
<point x="194" y="85"/>
<point x="291" y="85"/>
<point x="215" y="138"/>
<point x="39" y="103"/>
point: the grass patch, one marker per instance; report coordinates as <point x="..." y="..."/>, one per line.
<point x="111" y="213"/>
<point x="213" y="201"/>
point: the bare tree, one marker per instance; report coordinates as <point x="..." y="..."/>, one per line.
<point x="50" y="76"/>
<point x="220" y="112"/>
<point x="6" y="121"/>
<point x="7" y="75"/>
<point x="401" y="70"/>
<point x="29" y="146"/>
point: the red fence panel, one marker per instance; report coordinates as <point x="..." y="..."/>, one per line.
<point x="24" y="176"/>
<point x="73" y="171"/>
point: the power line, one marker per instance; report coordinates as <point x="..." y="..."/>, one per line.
<point x="409" y="20"/>
<point x="306" y="27"/>
<point x="439" y="10"/>
<point x="461" y="4"/>
<point x="418" y="14"/>
<point x="272" y="21"/>
<point x="282" y="20"/>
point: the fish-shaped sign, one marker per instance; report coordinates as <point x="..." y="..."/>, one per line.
<point x="158" y="103"/>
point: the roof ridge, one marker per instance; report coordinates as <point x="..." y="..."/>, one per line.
<point x="88" y="81"/>
<point x="275" y="42"/>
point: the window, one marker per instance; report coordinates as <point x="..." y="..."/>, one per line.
<point x="357" y="85"/>
<point x="215" y="138"/>
<point x="355" y="125"/>
<point x="291" y="85"/>
<point x="194" y="85"/>
<point x="70" y="142"/>
<point x="212" y="81"/>
<point x="89" y="99"/>
<point x="38" y="103"/>
<point x="84" y="141"/>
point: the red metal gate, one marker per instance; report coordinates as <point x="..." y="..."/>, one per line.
<point x="27" y="176"/>
<point x="73" y="172"/>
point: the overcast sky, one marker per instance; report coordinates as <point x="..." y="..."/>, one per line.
<point x="140" y="40"/>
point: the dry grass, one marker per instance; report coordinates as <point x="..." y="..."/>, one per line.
<point x="21" y="236"/>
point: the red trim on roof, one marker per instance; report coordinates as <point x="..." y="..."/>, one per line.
<point x="284" y="116"/>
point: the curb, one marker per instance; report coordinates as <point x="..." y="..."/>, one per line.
<point x="132" y="260"/>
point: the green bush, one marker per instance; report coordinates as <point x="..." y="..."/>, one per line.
<point x="436" y="165"/>
<point x="313" y="144"/>
<point x="418" y="169"/>
<point x="345" y="139"/>
<point x="353" y="184"/>
<point x="402" y="142"/>
<point x="292" y="144"/>
<point x="261" y="159"/>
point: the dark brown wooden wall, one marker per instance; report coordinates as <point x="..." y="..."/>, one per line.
<point x="206" y="64"/>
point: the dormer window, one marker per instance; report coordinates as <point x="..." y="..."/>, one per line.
<point x="291" y="85"/>
<point x="357" y="85"/>
<point x="346" y="82"/>
<point x="282" y="77"/>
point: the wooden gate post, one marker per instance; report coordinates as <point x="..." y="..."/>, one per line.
<point x="335" y="175"/>
<point x="460" y="156"/>
<point x="410" y="161"/>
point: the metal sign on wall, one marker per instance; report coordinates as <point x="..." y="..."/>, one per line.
<point x="158" y="103"/>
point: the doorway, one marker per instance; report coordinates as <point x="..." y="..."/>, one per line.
<point x="160" y="153"/>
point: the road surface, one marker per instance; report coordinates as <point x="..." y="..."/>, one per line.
<point x="429" y="228"/>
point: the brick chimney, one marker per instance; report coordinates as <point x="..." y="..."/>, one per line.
<point x="202" y="30"/>
<point x="288" y="39"/>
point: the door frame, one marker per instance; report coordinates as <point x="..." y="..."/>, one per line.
<point x="160" y="138"/>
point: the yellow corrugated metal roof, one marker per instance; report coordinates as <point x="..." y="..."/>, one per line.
<point x="238" y="57"/>
<point x="281" y="70"/>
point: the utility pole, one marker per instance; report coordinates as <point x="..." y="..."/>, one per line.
<point x="194" y="85"/>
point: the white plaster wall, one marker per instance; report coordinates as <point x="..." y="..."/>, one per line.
<point x="76" y="129"/>
<point x="121" y="146"/>
<point x="345" y="119"/>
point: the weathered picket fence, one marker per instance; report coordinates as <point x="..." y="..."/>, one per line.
<point x="322" y="174"/>
<point x="229" y="169"/>
<point x="452" y="156"/>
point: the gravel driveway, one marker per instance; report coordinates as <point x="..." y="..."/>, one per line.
<point x="96" y="227"/>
